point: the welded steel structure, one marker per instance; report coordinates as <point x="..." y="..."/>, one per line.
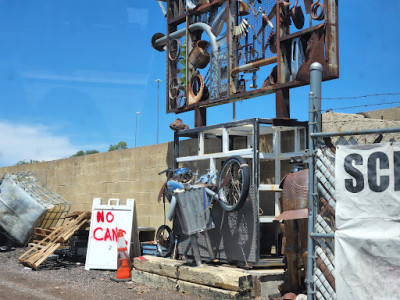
<point x="221" y="51"/>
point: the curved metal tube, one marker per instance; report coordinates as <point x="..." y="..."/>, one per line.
<point x="196" y="26"/>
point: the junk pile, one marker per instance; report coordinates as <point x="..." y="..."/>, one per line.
<point x="25" y="203"/>
<point x="41" y="250"/>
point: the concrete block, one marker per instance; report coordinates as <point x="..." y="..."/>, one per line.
<point x="185" y="287"/>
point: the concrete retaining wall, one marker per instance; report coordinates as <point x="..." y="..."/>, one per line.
<point x="129" y="173"/>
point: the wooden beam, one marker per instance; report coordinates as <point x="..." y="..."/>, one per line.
<point x="185" y="287"/>
<point x="213" y="276"/>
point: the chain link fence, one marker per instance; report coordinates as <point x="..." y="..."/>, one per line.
<point x="324" y="206"/>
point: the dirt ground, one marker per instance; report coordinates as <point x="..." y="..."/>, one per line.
<point x="69" y="280"/>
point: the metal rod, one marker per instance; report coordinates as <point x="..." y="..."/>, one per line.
<point x="322" y="235"/>
<point x="137" y="113"/>
<point x="158" y="104"/>
<point x="356" y="132"/>
<point x="257" y="64"/>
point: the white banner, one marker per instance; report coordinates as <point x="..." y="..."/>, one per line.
<point x="367" y="237"/>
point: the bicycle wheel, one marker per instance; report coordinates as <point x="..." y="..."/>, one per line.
<point x="165" y="241"/>
<point x="234" y="183"/>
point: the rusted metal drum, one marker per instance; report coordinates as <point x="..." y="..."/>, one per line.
<point x="295" y="191"/>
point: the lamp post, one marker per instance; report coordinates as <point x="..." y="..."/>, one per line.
<point x="158" y="102"/>
<point x="137" y="113"/>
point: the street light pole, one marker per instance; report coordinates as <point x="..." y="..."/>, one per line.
<point x="137" y="113"/>
<point x="158" y="102"/>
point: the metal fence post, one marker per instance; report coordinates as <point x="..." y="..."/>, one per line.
<point x="314" y="125"/>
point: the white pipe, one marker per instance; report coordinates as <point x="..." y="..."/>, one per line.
<point x="180" y="33"/>
<point x="328" y="197"/>
<point x="327" y="250"/>
<point x="325" y="225"/>
<point x="325" y="283"/>
<point x="321" y="288"/>
<point x="319" y="296"/>
<point x="325" y="260"/>
<point x="326" y="160"/>
<point x="324" y="181"/>
<point x="171" y="210"/>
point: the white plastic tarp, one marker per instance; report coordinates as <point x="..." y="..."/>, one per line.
<point x="367" y="237"/>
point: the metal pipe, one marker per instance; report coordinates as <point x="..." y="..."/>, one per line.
<point x="137" y="113"/>
<point x="257" y="64"/>
<point x="322" y="235"/>
<point x="193" y="27"/>
<point x="355" y="132"/>
<point x="158" y="104"/>
<point x="315" y="87"/>
<point x="310" y="227"/>
<point x="314" y="125"/>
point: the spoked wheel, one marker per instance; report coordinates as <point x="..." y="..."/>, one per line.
<point x="234" y="183"/>
<point x="174" y="87"/>
<point x="165" y="241"/>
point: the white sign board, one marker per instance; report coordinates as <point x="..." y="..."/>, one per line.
<point x="105" y="222"/>
<point x="367" y="237"/>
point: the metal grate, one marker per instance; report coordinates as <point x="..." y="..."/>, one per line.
<point x="253" y="45"/>
<point x="56" y="206"/>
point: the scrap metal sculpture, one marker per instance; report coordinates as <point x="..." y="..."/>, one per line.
<point x="218" y="42"/>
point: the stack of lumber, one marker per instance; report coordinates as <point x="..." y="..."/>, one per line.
<point x="205" y="281"/>
<point x="42" y="249"/>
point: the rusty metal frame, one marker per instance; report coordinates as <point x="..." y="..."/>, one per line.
<point x="178" y="15"/>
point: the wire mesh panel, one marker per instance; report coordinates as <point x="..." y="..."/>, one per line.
<point x="234" y="236"/>
<point x="56" y="206"/>
<point x="324" y="275"/>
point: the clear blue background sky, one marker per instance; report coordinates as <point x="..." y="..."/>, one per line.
<point x="73" y="74"/>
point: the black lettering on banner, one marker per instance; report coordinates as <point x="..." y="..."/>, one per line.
<point x="396" y="158"/>
<point x="354" y="172"/>
<point x="372" y="172"/>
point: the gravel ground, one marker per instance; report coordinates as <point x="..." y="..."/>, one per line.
<point x="70" y="281"/>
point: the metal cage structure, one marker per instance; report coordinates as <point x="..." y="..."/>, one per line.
<point x="56" y="206"/>
<point x="248" y="236"/>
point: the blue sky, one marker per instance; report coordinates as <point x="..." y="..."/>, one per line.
<point x="73" y="74"/>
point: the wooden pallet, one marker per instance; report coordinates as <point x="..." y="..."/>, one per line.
<point x="40" y="251"/>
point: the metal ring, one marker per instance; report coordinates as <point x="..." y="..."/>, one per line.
<point x="196" y="98"/>
<point x="178" y="49"/>
<point x="314" y="10"/>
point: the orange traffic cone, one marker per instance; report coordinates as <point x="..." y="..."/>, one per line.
<point x="124" y="265"/>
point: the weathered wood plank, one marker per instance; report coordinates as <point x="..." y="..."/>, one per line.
<point x="205" y="275"/>
<point x="186" y="287"/>
<point x="35" y="256"/>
